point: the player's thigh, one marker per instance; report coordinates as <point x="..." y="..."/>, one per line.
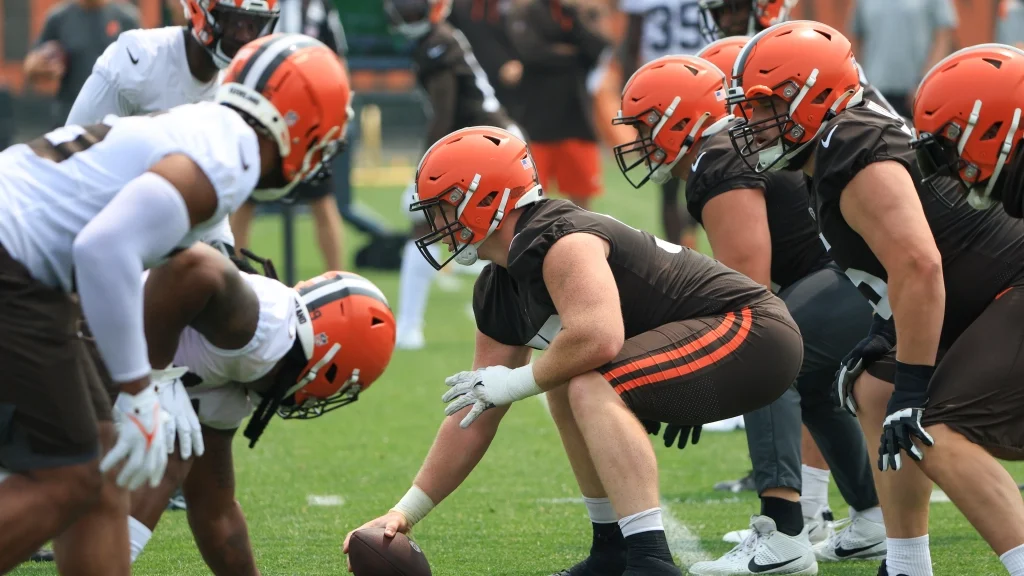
<point x="705" y="369"/>
<point x="221" y="408"/>
<point x="978" y="386"/>
<point x="48" y="392"/>
<point x="579" y="169"/>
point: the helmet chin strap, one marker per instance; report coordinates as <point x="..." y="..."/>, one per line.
<point x="468" y="255"/>
<point x="983" y="200"/>
<point x="855" y="97"/>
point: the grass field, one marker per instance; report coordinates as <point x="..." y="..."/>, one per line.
<point x="308" y="483"/>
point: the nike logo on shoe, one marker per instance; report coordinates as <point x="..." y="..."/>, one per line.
<point x="756" y="568"/>
<point x="847" y="552"/>
<point x="828" y="139"/>
<point x="131" y="57"/>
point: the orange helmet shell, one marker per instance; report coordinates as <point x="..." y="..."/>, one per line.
<point x="723" y="53"/>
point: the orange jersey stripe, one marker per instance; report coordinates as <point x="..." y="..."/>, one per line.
<point x="687" y="349"/>
<point x="694" y="365"/>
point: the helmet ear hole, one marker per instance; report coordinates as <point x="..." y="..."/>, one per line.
<point x="823" y="96"/>
<point x="489" y="199"/>
<point x="331" y="373"/>
<point x="992" y="131"/>
<point x="376" y="321"/>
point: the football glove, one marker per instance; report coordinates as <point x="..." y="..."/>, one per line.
<point x="672" y="431"/>
<point x="182" y="423"/>
<point x="903" y="417"/>
<point x="140" y="439"/>
<point x="486" y="388"/>
<point x="880" y="340"/>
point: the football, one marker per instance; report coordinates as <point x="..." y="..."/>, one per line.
<point x="372" y="554"/>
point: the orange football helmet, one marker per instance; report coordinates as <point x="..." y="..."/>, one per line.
<point x="414" y="18"/>
<point x="465" y="185"/>
<point x="722" y="18"/>
<point x="294" y="89"/>
<point x="806" y="69"/>
<point x="967" y="113"/>
<point x="723" y="53"/>
<point x="344" y="338"/>
<point x="673" y="102"/>
<point x="222" y="27"/>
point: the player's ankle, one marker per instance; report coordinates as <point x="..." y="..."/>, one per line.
<point x="788" y="516"/>
<point x="910" y="556"/>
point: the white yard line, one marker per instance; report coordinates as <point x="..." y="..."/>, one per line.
<point x="682" y="542"/>
<point x="324" y="500"/>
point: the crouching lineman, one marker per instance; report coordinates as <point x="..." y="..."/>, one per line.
<point x="250" y="340"/>
<point x="633" y="327"/>
<point x="85" y="209"/>
<point x="949" y="277"/>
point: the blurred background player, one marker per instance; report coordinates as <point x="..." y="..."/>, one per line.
<point x="484" y="23"/>
<point x="460" y="95"/>
<point x="559" y="44"/>
<point x="74" y="35"/>
<point x="317" y="19"/>
<point x="658" y="28"/>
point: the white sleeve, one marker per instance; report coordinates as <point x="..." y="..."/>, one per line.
<point x="98" y="98"/>
<point x="633" y="6"/>
<point x="143" y="223"/>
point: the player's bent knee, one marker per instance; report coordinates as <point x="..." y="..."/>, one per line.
<point x="587" y="387"/>
<point x="75" y="488"/>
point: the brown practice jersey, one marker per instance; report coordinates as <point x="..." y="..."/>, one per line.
<point x="796" y="249"/>
<point x="446" y="52"/>
<point x="658" y="282"/>
<point x="982" y="251"/>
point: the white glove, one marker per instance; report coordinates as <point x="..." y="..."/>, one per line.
<point x="140" y="440"/>
<point x="486" y="388"/>
<point x="183" y="423"/>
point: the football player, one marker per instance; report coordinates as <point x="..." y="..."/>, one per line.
<point x="460" y="96"/>
<point x="761" y="225"/>
<point x="946" y="274"/>
<point x="633" y="327"/>
<point x="86" y="208"/>
<point x="145" y="71"/>
<point x="658" y="28"/>
<point x="968" y="115"/>
<point x="249" y="340"/>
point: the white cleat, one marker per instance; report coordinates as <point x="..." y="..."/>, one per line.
<point x="410" y="340"/>
<point x="819" y="529"/>
<point x="764" y="551"/>
<point x="856" y="539"/>
<point x="727" y="425"/>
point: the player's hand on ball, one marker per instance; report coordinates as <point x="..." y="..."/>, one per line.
<point x="393" y="522"/>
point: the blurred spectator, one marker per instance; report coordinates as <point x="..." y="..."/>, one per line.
<point x="6" y="116"/>
<point x="1010" y="27"/>
<point x="899" y="41"/>
<point x="558" y="44"/>
<point x="319" y="19"/>
<point x="74" y="35"/>
<point x="482" y="22"/>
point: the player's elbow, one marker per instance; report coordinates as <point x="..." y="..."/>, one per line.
<point x="606" y="343"/>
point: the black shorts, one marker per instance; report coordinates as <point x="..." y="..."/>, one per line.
<point x="706" y="369"/>
<point x="51" y="395"/>
<point x="978" y="386"/>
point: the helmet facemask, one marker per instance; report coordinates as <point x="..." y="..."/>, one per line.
<point x="226" y="29"/>
<point x="410" y="18"/>
<point x="741" y="14"/>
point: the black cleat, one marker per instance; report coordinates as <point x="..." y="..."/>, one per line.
<point x="883" y="571"/>
<point x="651" y="566"/>
<point x="42" y="555"/>
<point x="745" y="484"/>
<point x="607" y="554"/>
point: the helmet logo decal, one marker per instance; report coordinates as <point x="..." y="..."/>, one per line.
<point x="321" y="339"/>
<point x="291" y="118"/>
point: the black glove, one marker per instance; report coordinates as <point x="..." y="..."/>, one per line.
<point x="880" y="340"/>
<point x="672" y="431"/>
<point x="903" y="417"/>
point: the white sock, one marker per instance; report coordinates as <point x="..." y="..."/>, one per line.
<point x="814" y="495"/>
<point x="413" y="288"/>
<point x="139" y="535"/>
<point x="600" y="510"/>
<point x="872" y="514"/>
<point x="646" y="521"/>
<point x="909" y="556"/>
<point x="1014" y="561"/>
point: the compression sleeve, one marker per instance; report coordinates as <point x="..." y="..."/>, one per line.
<point x="98" y="98"/>
<point x="142" y="224"/>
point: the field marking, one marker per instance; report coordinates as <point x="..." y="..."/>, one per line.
<point x="938" y="496"/>
<point x="324" y="500"/>
<point x="682" y="542"/>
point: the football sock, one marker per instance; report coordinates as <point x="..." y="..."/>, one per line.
<point x="1014" y="561"/>
<point x="873" y="514"/>
<point x="645" y="545"/>
<point x="413" y="288"/>
<point x="814" y="495"/>
<point x="788" y="516"/>
<point x="138" y="535"/>
<point x="600" y="510"/>
<point x="909" y="556"/>
<point x="646" y="521"/>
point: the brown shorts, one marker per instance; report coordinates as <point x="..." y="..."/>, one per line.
<point x="51" y="396"/>
<point x="978" y="386"/>
<point x="706" y="369"/>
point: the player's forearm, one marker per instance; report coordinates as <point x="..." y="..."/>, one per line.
<point x="917" y="296"/>
<point x="576" y="351"/>
<point x="223" y="539"/>
<point x="95" y="101"/>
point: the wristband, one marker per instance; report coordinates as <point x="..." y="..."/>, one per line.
<point x="521" y="383"/>
<point x="913" y="377"/>
<point x="415" y="505"/>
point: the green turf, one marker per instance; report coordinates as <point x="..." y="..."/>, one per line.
<point x="515" y="514"/>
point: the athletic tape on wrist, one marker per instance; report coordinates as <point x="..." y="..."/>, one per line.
<point x="415" y="505"/>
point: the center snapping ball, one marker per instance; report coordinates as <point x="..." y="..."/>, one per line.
<point x="373" y="554"/>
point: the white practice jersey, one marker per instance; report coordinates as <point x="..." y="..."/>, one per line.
<point x="145" y="71"/>
<point x="45" y="204"/>
<point x="217" y="375"/>
<point x="670" y="27"/>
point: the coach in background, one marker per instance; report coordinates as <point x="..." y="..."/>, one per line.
<point x="558" y="44"/>
<point x="920" y="32"/>
<point x="74" y="35"/>
<point x="319" y="19"/>
<point x="483" y="23"/>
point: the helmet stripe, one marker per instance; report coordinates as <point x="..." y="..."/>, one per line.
<point x="265" y="60"/>
<point x="338" y="288"/>
<point x="295" y="46"/>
